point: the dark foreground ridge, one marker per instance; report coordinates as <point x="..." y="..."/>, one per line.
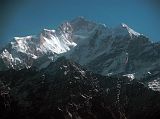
<point x="65" y="90"/>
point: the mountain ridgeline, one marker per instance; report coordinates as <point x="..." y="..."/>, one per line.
<point x="66" y="90"/>
<point x="99" y="48"/>
<point x="81" y="70"/>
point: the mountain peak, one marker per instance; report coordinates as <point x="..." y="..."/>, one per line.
<point x="130" y="30"/>
<point x="124" y="30"/>
<point x="87" y="41"/>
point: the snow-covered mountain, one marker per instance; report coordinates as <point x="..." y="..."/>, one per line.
<point x="109" y="51"/>
<point x="23" y="51"/>
<point x="104" y="50"/>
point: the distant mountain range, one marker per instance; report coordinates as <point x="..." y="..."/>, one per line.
<point x="81" y="70"/>
<point x="103" y="50"/>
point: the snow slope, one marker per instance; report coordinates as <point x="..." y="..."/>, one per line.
<point x="99" y="48"/>
<point x="23" y="51"/>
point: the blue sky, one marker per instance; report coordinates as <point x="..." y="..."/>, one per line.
<point x="29" y="17"/>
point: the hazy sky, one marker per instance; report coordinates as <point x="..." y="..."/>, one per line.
<point x="29" y="17"/>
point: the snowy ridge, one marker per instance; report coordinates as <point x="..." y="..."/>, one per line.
<point x="125" y="30"/>
<point x="23" y="51"/>
<point x="51" y="42"/>
<point x="100" y="48"/>
<point x="131" y="31"/>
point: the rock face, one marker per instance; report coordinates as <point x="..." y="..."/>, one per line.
<point x="120" y="50"/>
<point x="99" y="48"/>
<point x="21" y="52"/>
<point x="66" y="90"/>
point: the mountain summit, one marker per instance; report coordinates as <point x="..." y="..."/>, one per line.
<point x="101" y="49"/>
<point x="81" y="70"/>
<point x="124" y="29"/>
